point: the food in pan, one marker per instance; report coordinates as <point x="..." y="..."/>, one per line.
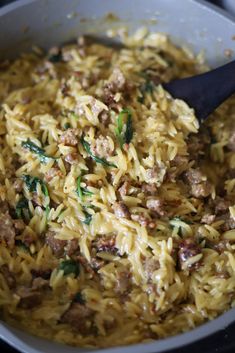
<point x="117" y="210"/>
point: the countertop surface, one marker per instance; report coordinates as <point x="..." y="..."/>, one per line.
<point x="220" y="342"/>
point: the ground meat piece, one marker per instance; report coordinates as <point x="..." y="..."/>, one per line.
<point x="52" y="173"/>
<point x="229" y="222"/>
<point x="123" y="283"/>
<point x="156" y="204"/>
<point x="221" y="246"/>
<point x="57" y="246"/>
<point x="201" y="190"/>
<point x="4" y="208"/>
<point x="117" y="81"/>
<point x="231" y="173"/>
<point x="151" y="264"/>
<point x="79" y="317"/>
<point x="64" y="88"/>
<point x="121" y="210"/>
<point x="18" y="185"/>
<point x="102" y="147"/>
<point x="123" y="190"/>
<point x="47" y="67"/>
<point x="156" y="174"/>
<point x="54" y="51"/>
<point x="197" y="143"/>
<point x="39" y="283"/>
<point x="29" y="238"/>
<point x="106" y="243"/>
<point x="71" y="158"/>
<point x="29" y="298"/>
<point x="104" y="118"/>
<point x="200" y="187"/>
<point x="8" y="275"/>
<point x="194" y="176"/>
<point x="96" y="263"/>
<point x="108" y="98"/>
<point x="221" y="205"/>
<point x="178" y="166"/>
<point x="85" y="264"/>
<point x="143" y="220"/>
<point x="231" y="142"/>
<point x="69" y="137"/>
<point x="149" y="189"/>
<point x="45" y="274"/>
<point x="7" y="230"/>
<point x="19" y="226"/>
<point x="179" y="160"/>
<point x="72" y="247"/>
<point x="189" y="248"/>
<point x="208" y="218"/>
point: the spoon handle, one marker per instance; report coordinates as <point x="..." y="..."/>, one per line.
<point x="205" y="92"/>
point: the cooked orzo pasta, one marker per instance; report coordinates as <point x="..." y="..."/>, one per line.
<point x="117" y="211"/>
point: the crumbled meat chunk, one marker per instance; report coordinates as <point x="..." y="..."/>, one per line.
<point x="150" y="265"/>
<point x="47" y="67"/>
<point x="8" y="275"/>
<point x="71" y="158"/>
<point x="208" y="218"/>
<point x="64" y="88"/>
<point x="177" y="166"/>
<point x="121" y="210"/>
<point x="231" y="142"/>
<point x="229" y="222"/>
<point x="123" y="190"/>
<point x="18" y="185"/>
<point x="45" y="274"/>
<point x="201" y="190"/>
<point x="29" y="238"/>
<point x="200" y="187"/>
<point x="106" y="243"/>
<point x="117" y="81"/>
<point x="143" y="220"/>
<point x="29" y="298"/>
<point x="221" y="205"/>
<point x="57" y="246"/>
<point x="19" y="226"/>
<point x="69" y="137"/>
<point x="157" y="205"/>
<point x="197" y="144"/>
<point x="102" y="147"/>
<point x="149" y="189"/>
<point x="123" y="283"/>
<point x="39" y="283"/>
<point x="67" y="54"/>
<point x="52" y="173"/>
<point x="53" y="51"/>
<point x="72" y="247"/>
<point x="156" y="174"/>
<point x="96" y="263"/>
<point x="221" y="246"/>
<point x="179" y="160"/>
<point x="86" y="265"/>
<point x="4" y="208"/>
<point x="104" y="117"/>
<point x="189" y="248"/>
<point x="79" y="317"/>
<point x="7" y="230"/>
<point x="194" y="176"/>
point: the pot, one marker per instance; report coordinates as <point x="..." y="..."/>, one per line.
<point x="51" y="22"/>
